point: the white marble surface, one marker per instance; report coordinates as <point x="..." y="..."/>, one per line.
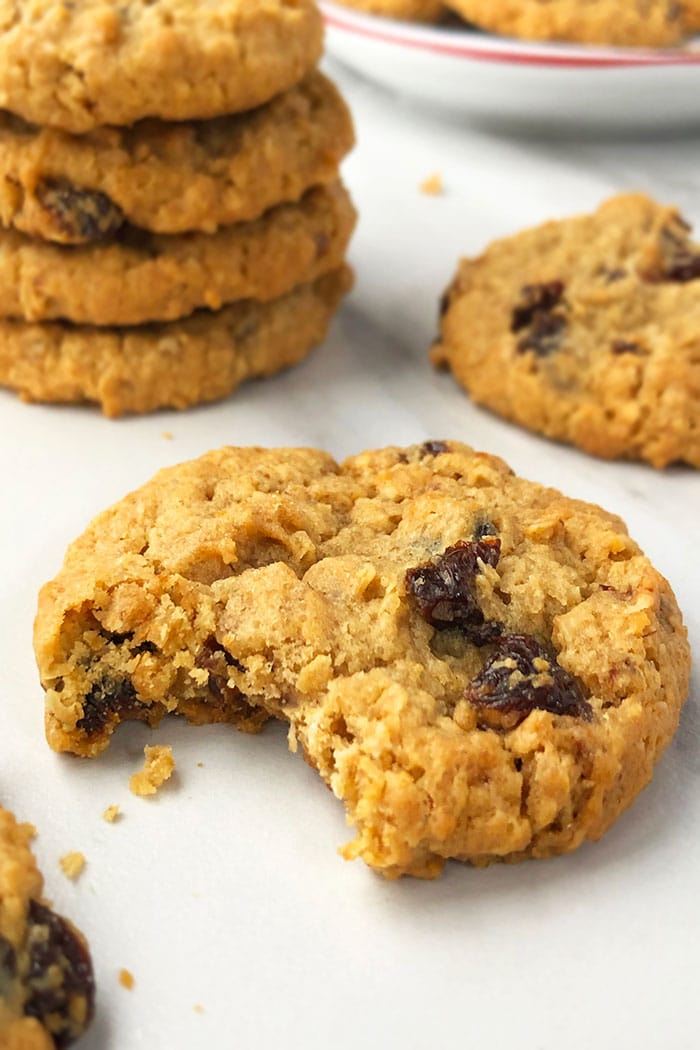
<point x="227" y="891"/>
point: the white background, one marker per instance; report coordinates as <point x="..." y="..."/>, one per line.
<point x="226" y="891"/>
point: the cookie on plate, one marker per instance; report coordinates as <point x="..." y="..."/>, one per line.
<point x="477" y="666"/>
<point x="171" y="178"/>
<point x="80" y="66"/>
<point x="202" y="358"/>
<point x="655" y="23"/>
<point x="586" y="330"/>
<point x="47" y="988"/>
<point x="692" y="15"/>
<point x="141" y="277"/>
<point x="410" y="10"/>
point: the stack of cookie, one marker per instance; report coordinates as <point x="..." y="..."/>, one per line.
<point x="172" y="217"/>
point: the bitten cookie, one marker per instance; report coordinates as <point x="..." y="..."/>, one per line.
<point x="655" y="23"/>
<point x="586" y="330"/>
<point x="79" y="66"/>
<point x="176" y="365"/>
<point x="145" y="277"/>
<point x="478" y="666"/>
<point x="46" y="982"/>
<point x="171" y="178"/>
<point x="411" y="10"/>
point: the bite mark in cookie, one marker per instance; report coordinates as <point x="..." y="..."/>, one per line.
<point x="478" y="667"/>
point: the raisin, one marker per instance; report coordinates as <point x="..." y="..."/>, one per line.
<point x="484" y="527"/>
<point x="82" y="215"/>
<point x="623" y="346"/>
<point x="521" y="676"/>
<point x="216" y="660"/>
<point x="212" y="652"/>
<point x="59" y="976"/>
<point x="323" y="243"/>
<point x="434" y="448"/>
<point x="137" y="650"/>
<point x="109" y="699"/>
<point x="613" y="275"/>
<point x="536" y="299"/>
<point x="444" y="590"/>
<point x="8" y="965"/>
<point x="545" y="335"/>
<point x="681" y="262"/>
<point x="144" y="647"/>
<point x="685" y="269"/>
<point x="118" y="639"/>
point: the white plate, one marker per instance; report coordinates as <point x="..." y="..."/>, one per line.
<point x="509" y="80"/>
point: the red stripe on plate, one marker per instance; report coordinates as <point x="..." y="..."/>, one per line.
<point x="520" y="58"/>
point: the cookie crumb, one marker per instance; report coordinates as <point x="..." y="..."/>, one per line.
<point x="72" y="865"/>
<point x="200" y="765"/>
<point x="111" y="814"/>
<point x="157" y="768"/>
<point x="167" y="435"/>
<point x="198" y="1008"/>
<point x="433" y="185"/>
<point x="126" y="979"/>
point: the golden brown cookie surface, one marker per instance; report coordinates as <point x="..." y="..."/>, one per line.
<point x="586" y="330"/>
<point x="171" y="178"/>
<point x="411" y="10"/>
<point x="175" y="365"/>
<point x="479" y="667"/>
<point x="140" y="277"/>
<point x="654" y="23"/>
<point x="81" y="66"/>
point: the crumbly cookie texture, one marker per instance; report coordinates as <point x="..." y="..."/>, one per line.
<point x="176" y="365"/>
<point x="46" y="982"/>
<point x="171" y="178"/>
<point x="411" y="10"/>
<point x="73" y="864"/>
<point x="158" y="767"/>
<point x="478" y="666"/>
<point x="586" y="330"/>
<point x="80" y="66"/>
<point x="654" y="23"/>
<point x="145" y="277"/>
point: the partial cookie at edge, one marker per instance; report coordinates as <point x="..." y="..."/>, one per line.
<point x="586" y="330"/>
<point x="46" y="979"/>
